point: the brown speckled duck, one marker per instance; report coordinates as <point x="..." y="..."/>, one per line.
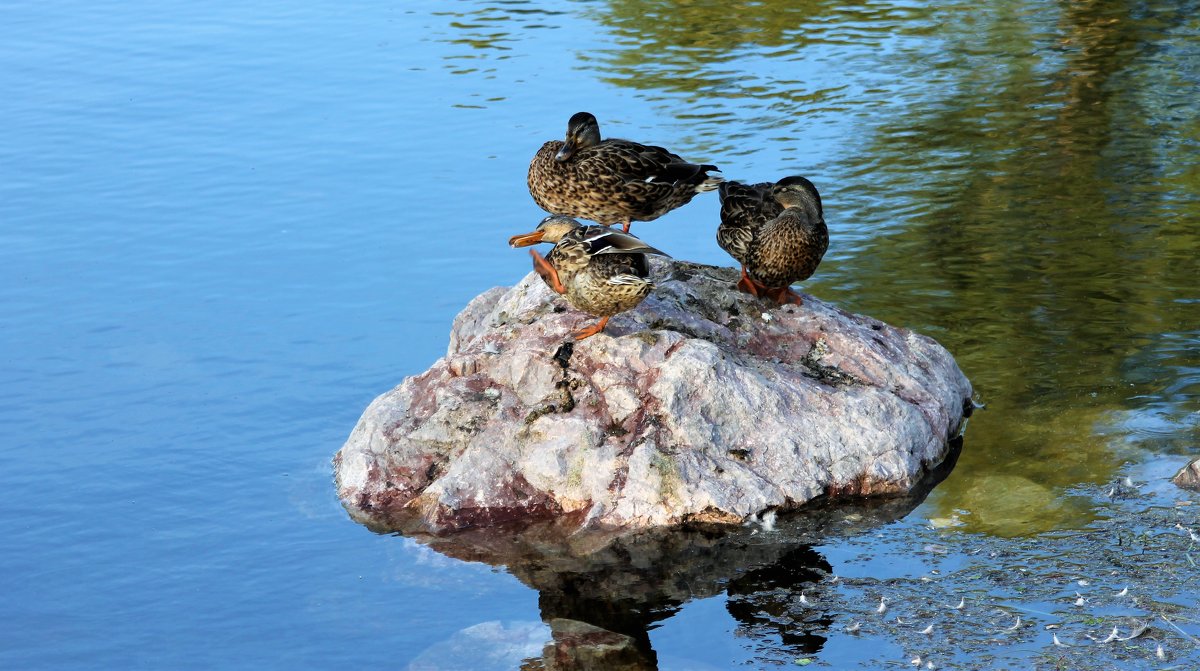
<point x="598" y="269"/>
<point x="612" y="181"/>
<point x="776" y="231"/>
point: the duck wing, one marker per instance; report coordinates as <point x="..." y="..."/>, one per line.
<point x="745" y="209"/>
<point x="620" y="268"/>
<point x="636" y="162"/>
<point x="604" y="240"/>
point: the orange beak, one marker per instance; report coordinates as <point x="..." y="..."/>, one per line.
<point x="526" y="239"/>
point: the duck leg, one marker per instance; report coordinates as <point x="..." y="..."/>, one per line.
<point x="591" y="330"/>
<point x="547" y="272"/>
<point x="748" y="285"/>
<point x="625" y="224"/>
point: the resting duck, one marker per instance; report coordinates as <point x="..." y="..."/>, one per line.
<point x="598" y="269"/>
<point x="612" y="181"/>
<point x="776" y="231"/>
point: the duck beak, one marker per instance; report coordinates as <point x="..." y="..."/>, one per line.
<point x="526" y="239"/>
<point x="568" y="149"/>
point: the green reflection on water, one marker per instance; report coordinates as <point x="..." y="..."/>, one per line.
<point x="1018" y="180"/>
<point x="1034" y="192"/>
<point x="1057" y="244"/>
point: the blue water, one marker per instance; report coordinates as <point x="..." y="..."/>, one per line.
<point x="225" y="228"/>
<point x="222" y="236"/>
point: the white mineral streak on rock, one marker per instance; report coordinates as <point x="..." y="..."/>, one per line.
<point x="689" y="408"/>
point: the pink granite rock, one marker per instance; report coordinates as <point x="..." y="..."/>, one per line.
<point x="701" y="405"/>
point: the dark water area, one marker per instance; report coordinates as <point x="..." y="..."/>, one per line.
<point x="225" y="229"/>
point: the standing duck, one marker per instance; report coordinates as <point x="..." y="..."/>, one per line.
<point x="612" y="181"/>
<point x="599" y="270"/>
<point x="776" y="231"/>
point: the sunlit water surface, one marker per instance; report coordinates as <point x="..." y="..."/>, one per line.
<point x="225" y="228"/>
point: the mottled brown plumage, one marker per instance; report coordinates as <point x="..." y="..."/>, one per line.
<point x="776" y="231"/>
<point x="599" y="270"/>
<point x="612" y="181"/>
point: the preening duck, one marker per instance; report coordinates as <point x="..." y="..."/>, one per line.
<point x="776" y="231"/>
<point x="599" y="270"/>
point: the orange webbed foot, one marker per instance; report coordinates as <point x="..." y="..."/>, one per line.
<point x="785" y="295"/>
<point x="547" y="272"/>
<point x="748" y="285"/>
<point x="590" y="331"/>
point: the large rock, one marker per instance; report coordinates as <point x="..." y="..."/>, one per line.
<point x="701" y="405"/>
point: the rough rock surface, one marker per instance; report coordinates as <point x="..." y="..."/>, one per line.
<point x="1188" y="477"/>
<point x="701" y="405"/>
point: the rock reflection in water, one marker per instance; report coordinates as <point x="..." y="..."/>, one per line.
<point x="601" y="592"/>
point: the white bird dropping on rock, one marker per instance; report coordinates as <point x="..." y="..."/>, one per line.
<point x="768" y="521"/>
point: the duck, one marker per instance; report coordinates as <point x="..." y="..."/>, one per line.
<point x="599" y="270"/>
<point x="776" y="231"/>
<point x="612" y="181"/>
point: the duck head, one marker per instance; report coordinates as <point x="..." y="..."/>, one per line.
<point x="552" y="229"/>
<point x="583" y="131"/>
<point x="796" y="191"/>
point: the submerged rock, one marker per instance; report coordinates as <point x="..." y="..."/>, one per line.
<point x="701" y="405"/>
<point x="1188" y="477"/>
